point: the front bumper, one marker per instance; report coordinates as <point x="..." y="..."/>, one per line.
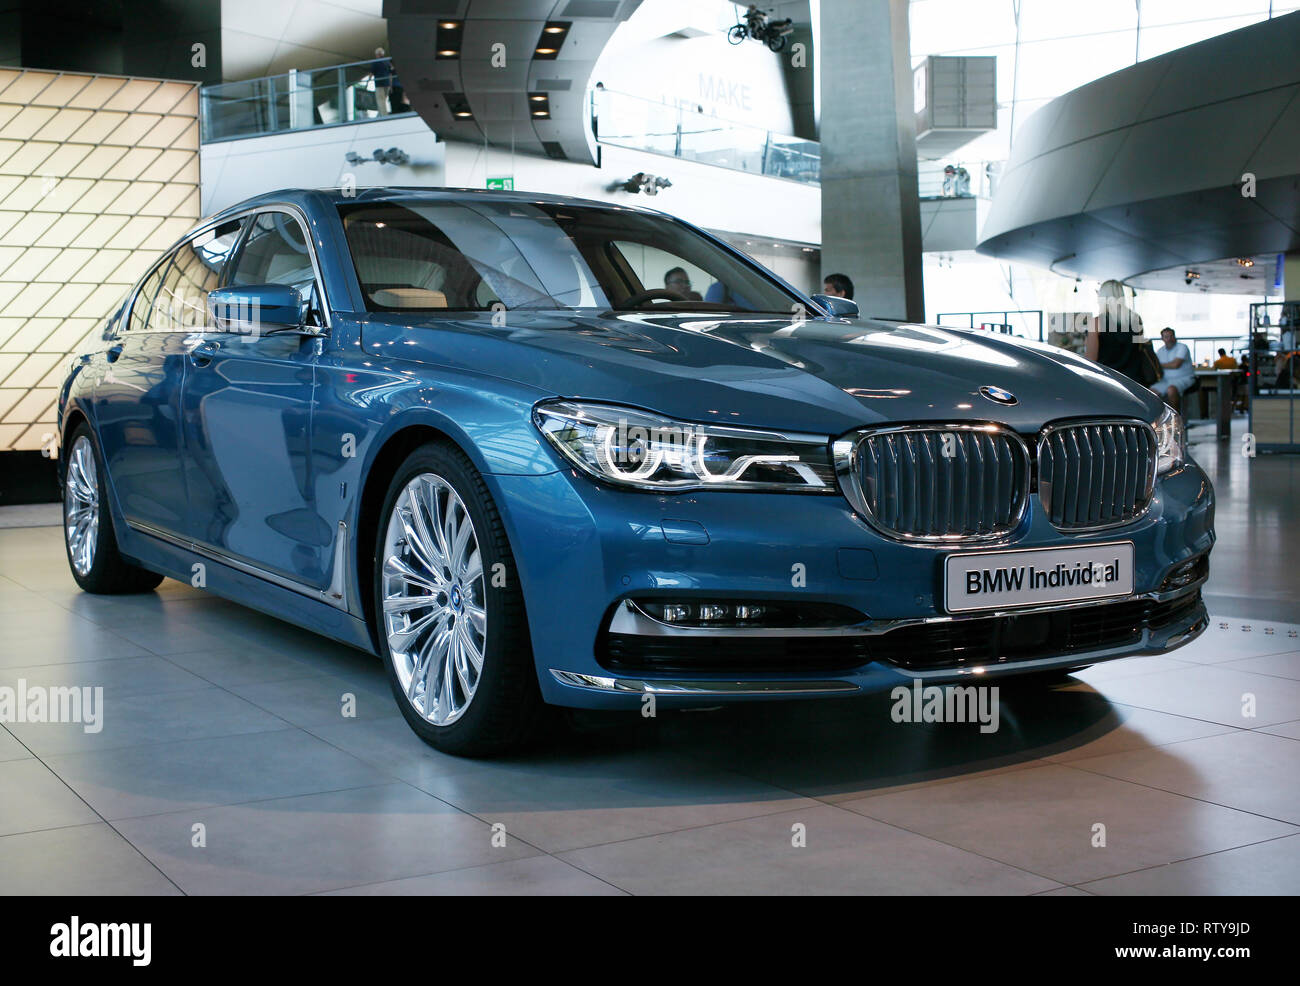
<point x="583" y="550"/>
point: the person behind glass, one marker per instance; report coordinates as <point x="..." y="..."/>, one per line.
<point x="837" y="286"/>
<point x="1115" y="339"/>
<point x="1178" y="373"/>
<point x="382" y="71"/>
<point x="679" y="282"/>
<point x="1225" y="362"/>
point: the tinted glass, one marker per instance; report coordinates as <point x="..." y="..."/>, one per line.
<point x="144" y="300"/>
<point x="470" y="256"/>
<point x="275" y="253"/>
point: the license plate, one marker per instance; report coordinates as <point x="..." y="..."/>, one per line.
<point x="1037" y="576"/>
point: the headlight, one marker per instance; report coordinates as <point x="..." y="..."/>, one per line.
<point x="647" y="452"/>
<point x="1171" y="441"/>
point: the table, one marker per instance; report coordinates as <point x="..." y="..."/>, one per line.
<point x="1223" y="389"/>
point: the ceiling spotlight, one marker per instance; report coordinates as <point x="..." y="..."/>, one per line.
<point x="449" y="25"/>
<point x="551" y="40"/>
<point x="1245" y="262"/>
<point x="1190" y="276"/>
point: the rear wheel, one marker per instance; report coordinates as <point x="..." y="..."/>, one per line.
<point x="88" y="534"/>
<point x="450" y="613"/>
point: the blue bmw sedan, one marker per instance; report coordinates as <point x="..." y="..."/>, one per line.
<point x="531" y="450"/>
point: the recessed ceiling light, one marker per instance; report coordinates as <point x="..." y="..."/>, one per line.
<point x="547" y="51"/>
<point x="448" y="53"/>
<point x="449" y="25"/>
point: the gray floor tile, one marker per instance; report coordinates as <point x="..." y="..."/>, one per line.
<point x="389" y="831"/>
<point x="534" y="876"/>
<point x="1237" y="639"/>
<point x="389" y="744"/>
<point x="10" y="748"/>
<point x="1291" y="729"/>
<point x="144" y="780"/>
<point x="228" y="666"/>
<point x="1282" y="665"/>
<point x="33" y="797"/>
<point x="81" y="861"/>
<point x="120" y="678"/>
<point x="845" y="854"/>
<point x="1248" y="770"/>
<point x="319" y="699"/>
<point x="569" y="804"/>
<point x="1216" y="693"/>
<point x="1138" y="729"/>
<point x="1043" y="820"/>
<point x="135" y="720"/>
<point x="1261" y="870"/>
<point x="64" y="640"/>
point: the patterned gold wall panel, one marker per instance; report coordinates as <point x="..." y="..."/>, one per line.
<point x="98" y="175"/>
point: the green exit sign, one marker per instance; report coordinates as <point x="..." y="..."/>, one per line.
<point x="505" y="183"/>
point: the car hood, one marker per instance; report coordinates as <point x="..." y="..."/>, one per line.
<point x="822" y="377"/>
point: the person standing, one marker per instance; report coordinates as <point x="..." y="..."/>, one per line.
<point x="382" y="71"/>
<point x="1115" y="339"/>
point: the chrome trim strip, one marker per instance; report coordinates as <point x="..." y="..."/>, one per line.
<point x="846" y="463"/>
<point x="335" y="594"/>
<point x="1052" y="427"/>
<point x="630" y="619"/>
<point x="679" y="686"/>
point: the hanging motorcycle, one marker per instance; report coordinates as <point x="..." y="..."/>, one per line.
<point x="757" y="26"/>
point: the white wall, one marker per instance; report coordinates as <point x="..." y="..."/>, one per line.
<point x="716" y="198"/>
<point x="233" y="170"/>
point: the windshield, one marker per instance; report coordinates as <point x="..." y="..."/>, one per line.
<point x="479" y="255"/>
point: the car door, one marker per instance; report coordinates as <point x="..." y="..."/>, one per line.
<point x="247" y="410"/>
<point x="137" y="407"/>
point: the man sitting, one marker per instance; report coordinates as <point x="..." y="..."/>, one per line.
<point x="1179" y="375"/>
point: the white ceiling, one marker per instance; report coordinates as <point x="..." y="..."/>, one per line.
<point x="270" y="37"/>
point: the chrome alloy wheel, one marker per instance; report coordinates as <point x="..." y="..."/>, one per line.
<point x="81" y="506"/>
<point x="434" y="603"/>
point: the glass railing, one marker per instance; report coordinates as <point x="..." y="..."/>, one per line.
<point x="968" y="179"/>
<point x="632" y="121"/>
<point x="300" y="100"/>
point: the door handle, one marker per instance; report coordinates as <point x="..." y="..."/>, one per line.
<point x="113" y="353"/>
<point x="201" y="355"/>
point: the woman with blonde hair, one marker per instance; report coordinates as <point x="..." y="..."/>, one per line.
<point x="1115" y="339"/>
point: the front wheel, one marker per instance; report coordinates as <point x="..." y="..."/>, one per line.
<point x="776" y="42"/>
<point x="451" y="622"/>
<point x="88" y="535"/>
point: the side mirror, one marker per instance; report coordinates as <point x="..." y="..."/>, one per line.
<point x="256" y="308"/>
<point x="837" y="307"/>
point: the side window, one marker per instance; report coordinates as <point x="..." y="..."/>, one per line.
<point x="275" y="252"/>
<point x="195" y="271"/>
<point x="144" y="299"/>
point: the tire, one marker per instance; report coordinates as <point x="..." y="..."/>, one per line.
<point x="737" y="34"/>
<point x="776" y="44"/>
<point x="475" y="610"/>
<point x="88" y="536"/>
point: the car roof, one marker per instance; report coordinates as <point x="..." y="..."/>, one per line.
<point x="398" y="193"/>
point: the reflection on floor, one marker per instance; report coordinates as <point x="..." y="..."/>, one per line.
<point x="225" y="766"/>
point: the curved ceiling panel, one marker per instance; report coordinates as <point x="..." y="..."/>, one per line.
<point x="513" y="73"/>
<point x="1143" y="170"/>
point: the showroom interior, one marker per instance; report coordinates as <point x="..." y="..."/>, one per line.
<point x="1000" y="172"/>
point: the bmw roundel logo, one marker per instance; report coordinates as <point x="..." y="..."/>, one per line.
<point x="998" y="396"/>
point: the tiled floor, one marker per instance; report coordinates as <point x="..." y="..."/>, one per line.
<point x="225" y="764"/>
